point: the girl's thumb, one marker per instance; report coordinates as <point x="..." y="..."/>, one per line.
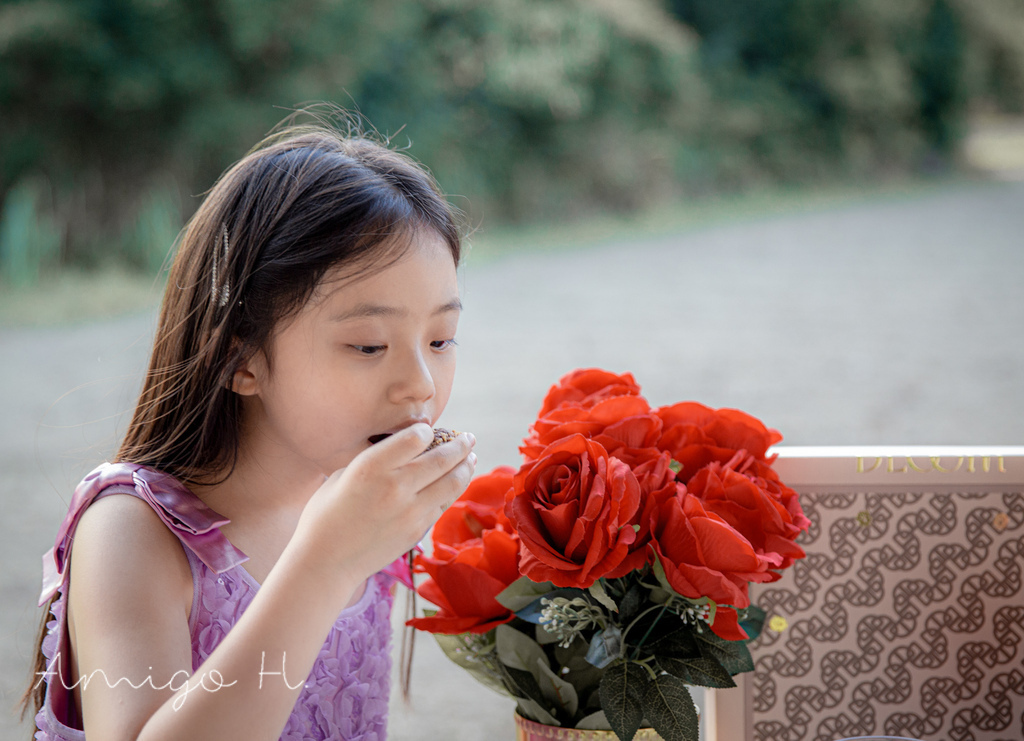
<point x="405" y="444"/>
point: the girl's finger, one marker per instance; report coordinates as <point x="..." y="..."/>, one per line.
<point x="439" y="495"/>
<point x="398" y="449"/>
<point x="434" y="464"/>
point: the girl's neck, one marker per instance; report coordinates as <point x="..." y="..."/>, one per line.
<point x="261" y="483"/>
<point x="263" y="499"/>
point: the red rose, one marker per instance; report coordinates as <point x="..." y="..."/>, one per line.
<point x="628" y="442"/>
<point x="696" y="435"/>
<point x="765" y="477"/>
<point x="704" y="556"/>
<point x="635" y="432"/>
<point x="464" y="581"/>
<point x="588" y="421"/>
<point x="574" y="508"/>
<point x="758" y="515"/>
<point x="585" y="387"/>
<point x="476" y="555"/>
<point x="481" y="507"/>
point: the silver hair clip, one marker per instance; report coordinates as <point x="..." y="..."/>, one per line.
<point x="221" y="296"/>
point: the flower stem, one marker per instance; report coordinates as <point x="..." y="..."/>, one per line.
<point x="646" y="664"/>
<point x="641" y="643"/>
<point x="639" y="617"/>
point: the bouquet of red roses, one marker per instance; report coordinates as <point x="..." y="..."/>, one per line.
<point x="611" y="570"/>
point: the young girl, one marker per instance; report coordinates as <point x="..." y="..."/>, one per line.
<point x="274" y="466"/>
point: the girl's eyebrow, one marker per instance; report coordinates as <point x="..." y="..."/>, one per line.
<point x="366" y="310"/>
<point x="454" y="305"/>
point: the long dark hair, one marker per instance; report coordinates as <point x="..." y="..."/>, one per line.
<point x="308" y="199"/>
<point x="256" y="249"/>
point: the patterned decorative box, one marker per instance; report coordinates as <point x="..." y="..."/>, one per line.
<point x="907" y="616"/>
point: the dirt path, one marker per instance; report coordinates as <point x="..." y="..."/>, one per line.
<point x="877" y="323"/>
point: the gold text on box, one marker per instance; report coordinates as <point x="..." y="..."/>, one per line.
<point x="908" y="464"/>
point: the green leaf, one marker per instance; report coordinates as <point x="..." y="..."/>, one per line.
<point x="668" y="707"/>
<point x="583" y="675"/>
<point x="455" y="648"/>
<point x="660" y="596"/>
<point x="752" y="621"/>
<point x="659" y="573"/>
<point x="666" y="593"/>
<point x="522" y="684"/>
<point x="623" y="688"/>
<point x="522" y="592"/>
<point x="594" y="722"/>
<point x="653" y="626"/>
<point x="703" y="672"/>
<point x="734" y="656"/>
<point x="517" y="650"/>
<point x="630" y="604"/>
<point x="680" y="643"/>
<point x="597" y="591"/>
<point x="535" y="711"/>
<point x="675" y="466"/>
<point x="556" y="690"/>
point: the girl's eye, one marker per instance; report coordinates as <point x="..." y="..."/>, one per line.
<point x="442" y="344"/>
<point x="369" y="349"/>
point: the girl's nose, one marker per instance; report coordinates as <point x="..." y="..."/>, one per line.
<point x="413" y="380"/>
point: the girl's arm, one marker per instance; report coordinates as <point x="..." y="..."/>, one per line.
<point x="128" y="609"/>
<point x="355" y="524"/>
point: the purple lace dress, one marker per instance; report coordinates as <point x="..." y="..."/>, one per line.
<point x="346" y="693"/>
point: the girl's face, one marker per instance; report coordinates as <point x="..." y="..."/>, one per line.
<point x="367" y="358"/>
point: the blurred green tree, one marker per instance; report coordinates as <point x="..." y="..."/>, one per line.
<point x="106" y="97"/>
<point x="994" y="53"/>
<point x="938" y="72"/>
<point x="529" y="108"/>
<point x="541" y="108"/>
<point x="862" y="87"/>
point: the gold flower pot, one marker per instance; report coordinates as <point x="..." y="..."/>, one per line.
<point x="528" y="730"/>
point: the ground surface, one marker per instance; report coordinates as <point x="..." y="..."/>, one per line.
<point x="882" y="322"/>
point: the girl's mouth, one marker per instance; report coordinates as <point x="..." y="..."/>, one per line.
<point x="374" y="439"/>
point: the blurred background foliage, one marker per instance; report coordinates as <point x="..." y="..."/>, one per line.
<point x="115" y="115"/>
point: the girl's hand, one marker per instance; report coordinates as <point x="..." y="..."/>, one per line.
<point x="379" y="506"/>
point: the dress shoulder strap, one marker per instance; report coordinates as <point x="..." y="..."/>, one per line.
<point x="195" y="525"/>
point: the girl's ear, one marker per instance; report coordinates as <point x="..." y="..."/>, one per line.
<point x="246" y="379"/>
<point x="243" y="382"/>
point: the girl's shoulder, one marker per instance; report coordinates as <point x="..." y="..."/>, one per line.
<point x="125" y="531"/>
<point x="125" y="556"/>
<point x="160" y="516"/>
